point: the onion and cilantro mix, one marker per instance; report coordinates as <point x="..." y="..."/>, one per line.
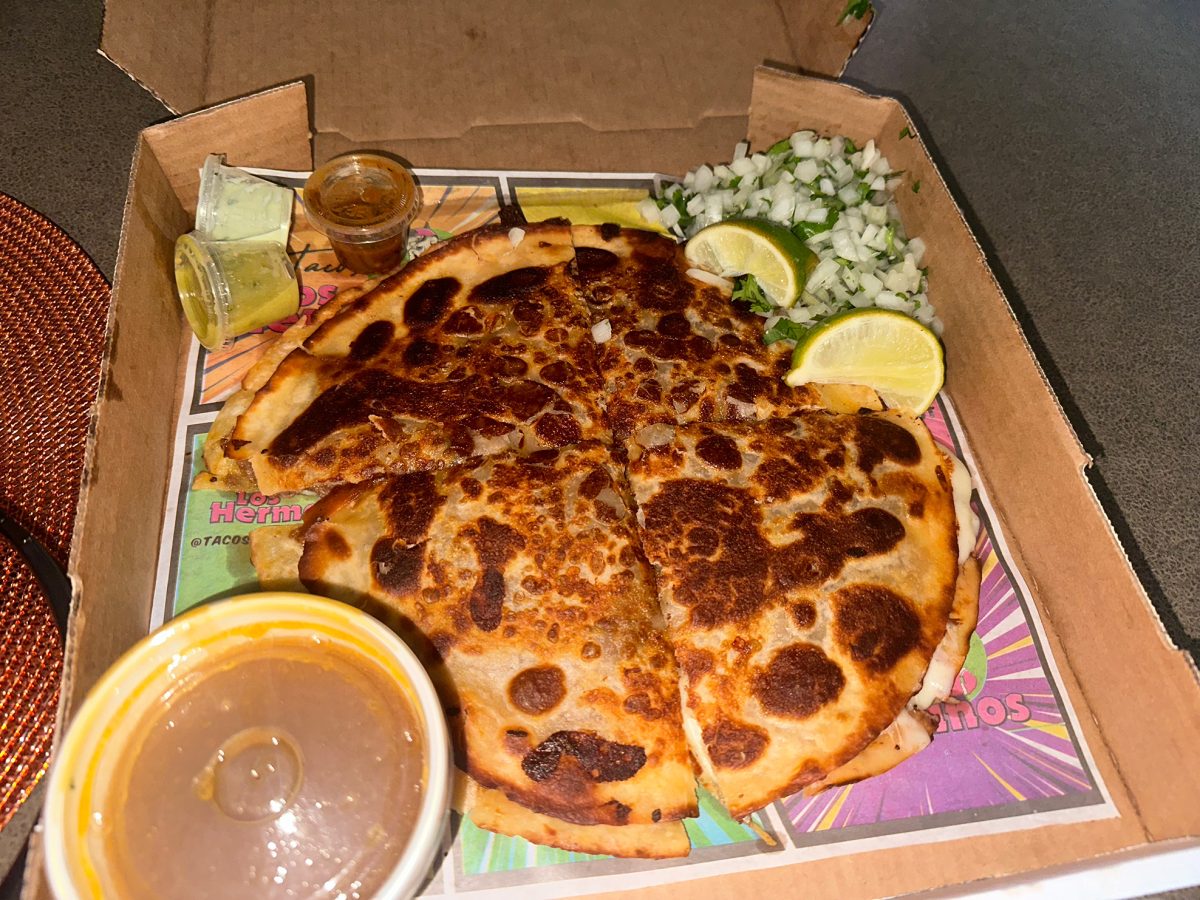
<point x="838" y="199"/>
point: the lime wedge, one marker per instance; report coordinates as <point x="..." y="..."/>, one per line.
<point x="777" y="259"/>
<point x="895" y="355"/>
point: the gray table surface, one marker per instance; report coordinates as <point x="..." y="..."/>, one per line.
<point x="1069" y="132"/>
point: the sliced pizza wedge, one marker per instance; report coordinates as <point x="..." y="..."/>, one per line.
<point x="807" y="569"/>
<point x="676" y="349"/>
<point x="479" y="346"/>
<point x="519" y="580"/>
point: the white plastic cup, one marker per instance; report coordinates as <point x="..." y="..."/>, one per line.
<point x="110" y="716"/>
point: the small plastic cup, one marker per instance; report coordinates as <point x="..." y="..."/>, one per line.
<point x="228" y="288"/>
<point x="250" y="748"/>
<point x="364" y="203"/>
<point x="234" y="205"/>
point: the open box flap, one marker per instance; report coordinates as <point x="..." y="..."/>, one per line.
<point x="500" y="83"/>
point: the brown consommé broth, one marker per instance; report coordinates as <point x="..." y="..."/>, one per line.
<point x="286" y="768"/>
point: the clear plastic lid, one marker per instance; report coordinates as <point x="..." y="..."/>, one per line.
<point x="272" y="754"/>
<point x="234" y="205"/>
<point x="361" y="198"/>
<point x="228" y="288"/>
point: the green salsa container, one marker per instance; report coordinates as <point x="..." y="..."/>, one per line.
<point x="228" y="288"/>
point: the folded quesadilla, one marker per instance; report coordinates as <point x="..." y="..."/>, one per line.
<point x="480" y="345"/>
<point x="519" y="580"/>
<point x="807" y="569"/>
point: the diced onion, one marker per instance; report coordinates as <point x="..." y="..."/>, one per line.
<point x="602" y="331"/>
<point x="864" y="256"/>
<point x="516" y="235"/>
<point x="709" y="278"/>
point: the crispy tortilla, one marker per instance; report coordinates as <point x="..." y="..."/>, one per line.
<point x="492" y="810"/>
<point x="520" y="582"/>
<point x="807" y="569"/>
<point x="681" y="350"/>
<point x="478" y="346"/>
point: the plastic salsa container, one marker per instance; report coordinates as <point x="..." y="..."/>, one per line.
<point x="364" y="203"/>
<point x="273" y="745"/>
<point x="228" y="288"/>
<point x="234" y="205"/>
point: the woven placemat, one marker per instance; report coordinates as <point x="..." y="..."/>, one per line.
<point x="53" y="305"/>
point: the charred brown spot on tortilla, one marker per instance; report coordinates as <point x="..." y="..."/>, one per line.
<point x="683" y="397"/>
<point x="397" y="567"/>
<point x="487" y="600"/>
<point x="719" y="451"/>
<point x="875" y="625"/>
<point x="734" y="745"/>
<point x="879" y="440"/>
<point x="372" y="340"/>
<point x="597" y="759"/>
<point x="459" y="439"/>
<point x="781" y="478"/>
<point x="421" y="353"/>
<point x="527" y="398"/>
<point x="529" y="315"/>
<point x="373" y="392"/>
<point x="590" y="650"/>
<point x="695" y="663"/>
<point x="804" y="614"/>
<point x="537" y="690"/>
<point x="728" y="585"/>
<point x="827" y="540"/>
<point x="639" y="704"/>
<point x="557" y="430"/>
<point x="429" y="302"/>
<point x="466" y="321"/>
<point x="798" y="681"/>
<point x="511" y="286"/>
<point x="595" y="481"/>
<point x="560" y="372"/>
<point x="749" y="384"/>
<point x="335" y="545"/>
<point x="609" y="230"/>
<point x="410" y="502"/>
<point x="593" y="260"/>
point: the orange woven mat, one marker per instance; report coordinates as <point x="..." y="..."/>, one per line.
<point x="53" y="305"/>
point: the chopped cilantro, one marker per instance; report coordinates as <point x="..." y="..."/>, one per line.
<point x="735" y="181"/>
<point x="805" y="230"/>
<point x="441" y="235"/>
<point x="785" y="330"/>
<point x="850" y="148"/>
<point x="779" y="148"/>
<point x="917" y="187"/>
<point x="864" y="191"/>
<point x="905" y="133"/>
<point x="890" y="240"/>
<point x="855" y="8"/>
<point x="746" y="290"/>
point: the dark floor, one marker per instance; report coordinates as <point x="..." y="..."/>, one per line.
<point x="1069" y="130"/>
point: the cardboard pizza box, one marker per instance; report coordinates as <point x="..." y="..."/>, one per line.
<point x="1136" y="696"/>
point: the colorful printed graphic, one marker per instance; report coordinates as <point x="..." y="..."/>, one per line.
<point x="482" y="852"/>
<point x="1006" y="753"/>
<point x="214" y="544"/>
